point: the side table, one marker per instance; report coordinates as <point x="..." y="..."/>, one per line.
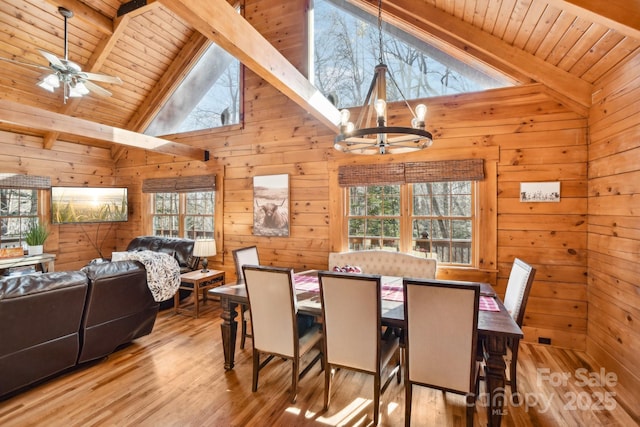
<point x="197" y="281"/>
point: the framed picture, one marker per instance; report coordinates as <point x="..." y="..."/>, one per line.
<point x="70" y="205"/>
<point x="271" y="205"/>
<point x="539" y="191"/>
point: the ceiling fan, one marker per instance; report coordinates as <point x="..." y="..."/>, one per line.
<point x="66" y="73"/>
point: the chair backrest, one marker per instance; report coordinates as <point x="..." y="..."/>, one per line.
<point x="351" y="318"/>
<point x="518" y="288"/>
<point x="244" y="256"/>
<point x="441" y="333"/>
<point x="272" y="304"/>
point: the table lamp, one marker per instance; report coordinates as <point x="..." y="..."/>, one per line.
<point x="204" y="248"/>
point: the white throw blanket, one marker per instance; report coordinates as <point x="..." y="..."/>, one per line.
<point x="163" y="272"/>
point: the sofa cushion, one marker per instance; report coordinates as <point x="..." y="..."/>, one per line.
<point x="120" y="308"/>
<point x="40" y="317"/>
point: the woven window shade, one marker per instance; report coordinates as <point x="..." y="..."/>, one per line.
<point x="448" y="170"/>
<point x="184" y="184"/>
<point x="387" y="173"/>
<point x="11" y="180"/>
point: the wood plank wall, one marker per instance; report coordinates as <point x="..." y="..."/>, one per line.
<point x="538" y="140"/>
<point x="594" y="229"/>
<point x="614" y="229"/>
<point x="70" y="165"/>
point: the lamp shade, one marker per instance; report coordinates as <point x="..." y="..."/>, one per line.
<point x="204" y="248"/>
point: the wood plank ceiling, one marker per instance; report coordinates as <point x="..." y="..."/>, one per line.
<point x="565" y="44"/>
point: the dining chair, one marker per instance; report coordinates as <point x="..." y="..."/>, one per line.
<point x="247" y="255"/>
<point x="515" y="301"/>
<point x="351" y="313"/>
<point x="274" y="326"/>
<point x="440" y="339"/>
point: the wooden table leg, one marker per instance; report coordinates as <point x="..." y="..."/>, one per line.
<point x="229" y="328"/>
<point x="495" y="366"/>
<point x="196" y="291"/>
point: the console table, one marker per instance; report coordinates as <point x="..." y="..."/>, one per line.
<point x="45" y="261"/>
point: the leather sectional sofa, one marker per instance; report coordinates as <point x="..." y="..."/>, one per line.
<point x="54" y="321"/>
<point x="180" y="249"/>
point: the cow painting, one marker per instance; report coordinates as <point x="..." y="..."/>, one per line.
<point x="271" y="205"/>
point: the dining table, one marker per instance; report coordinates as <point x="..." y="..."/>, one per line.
<point x="495" y="325"/>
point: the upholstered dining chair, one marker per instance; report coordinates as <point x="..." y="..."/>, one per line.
<point x="515" y="301"/>
<point x="352" y="331"/>
<point x="441" y="339"/>
<point x="247" y="255"/>
<point x="274" y="326"/>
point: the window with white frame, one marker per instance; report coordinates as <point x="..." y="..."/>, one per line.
<point x="182" y="207"/>
<point x="190" y="215"/>
<point x="440" y="223"/>
<point x="18" y="210"/>
<point x="431" y="212"/>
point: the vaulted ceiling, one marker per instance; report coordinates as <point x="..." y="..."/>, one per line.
<point x="564" y="44"/>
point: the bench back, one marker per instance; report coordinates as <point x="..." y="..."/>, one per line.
<point x="386" y="263"/>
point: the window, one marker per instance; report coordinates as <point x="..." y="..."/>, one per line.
<point x="346" y="48"/>
<point x="190" y="215"/>
<point x="374" y="217"/>
<point x="208" y="97"/>
<point x="440" y="222"/>
<point x="18" y="209"/>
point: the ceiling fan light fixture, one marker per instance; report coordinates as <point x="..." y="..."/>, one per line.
<point x="50" y="82"/>
<point x="77" y="89"/>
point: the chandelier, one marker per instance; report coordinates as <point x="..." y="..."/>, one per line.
<point x="376" y="137"/>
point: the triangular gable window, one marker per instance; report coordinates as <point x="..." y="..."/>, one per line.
<point x="208" y="97"/>
<point x="346" y="51"/>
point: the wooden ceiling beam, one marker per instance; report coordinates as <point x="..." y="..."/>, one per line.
<point x="220" y="22"/>
<point x="95" y="63"/>
<point x="87" y="14"/>
<point x="456" y="33"/>
<point x="621" y="15"/>
<point x="27" y="117"/>
<point x="170" y="80"/>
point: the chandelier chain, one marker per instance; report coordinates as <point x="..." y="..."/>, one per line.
<point x="381" y="59"/>
<point x="380" y="30"/>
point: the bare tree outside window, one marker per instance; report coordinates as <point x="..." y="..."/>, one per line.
<point x="346" y="50"/>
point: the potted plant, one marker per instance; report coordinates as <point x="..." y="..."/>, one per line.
<point x="35" y="237"/>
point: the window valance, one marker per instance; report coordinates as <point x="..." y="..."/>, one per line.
<point x="12" y="180"/>
<point x="183" y="184"/>
<point x="387" y="173"/>
<point x="400" y="173"/>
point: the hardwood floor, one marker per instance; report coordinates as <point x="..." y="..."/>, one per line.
<point x="175" y="377"/>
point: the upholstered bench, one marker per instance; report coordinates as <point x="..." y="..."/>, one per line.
<point x="386" y="263"/>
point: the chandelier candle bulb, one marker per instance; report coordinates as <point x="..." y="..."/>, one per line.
<point x="368" y="137"/>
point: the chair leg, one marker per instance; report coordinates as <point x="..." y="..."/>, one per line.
<point x="513" y="378"/>
<point x="407" y="402"/>
<point x="471" y="407"/>
<point x="376" y="399"/>
<point x="328" y="376"/>
<point x="243" y="336"/>
<point x="256" y="369"/>
<point x="294" y="378"/>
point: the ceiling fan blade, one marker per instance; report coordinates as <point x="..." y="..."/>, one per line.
<point x="98" y="90"/>
<point x="27" y="64"/>
<point x="53" y="60"/>
<point x="102" y="78"/>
